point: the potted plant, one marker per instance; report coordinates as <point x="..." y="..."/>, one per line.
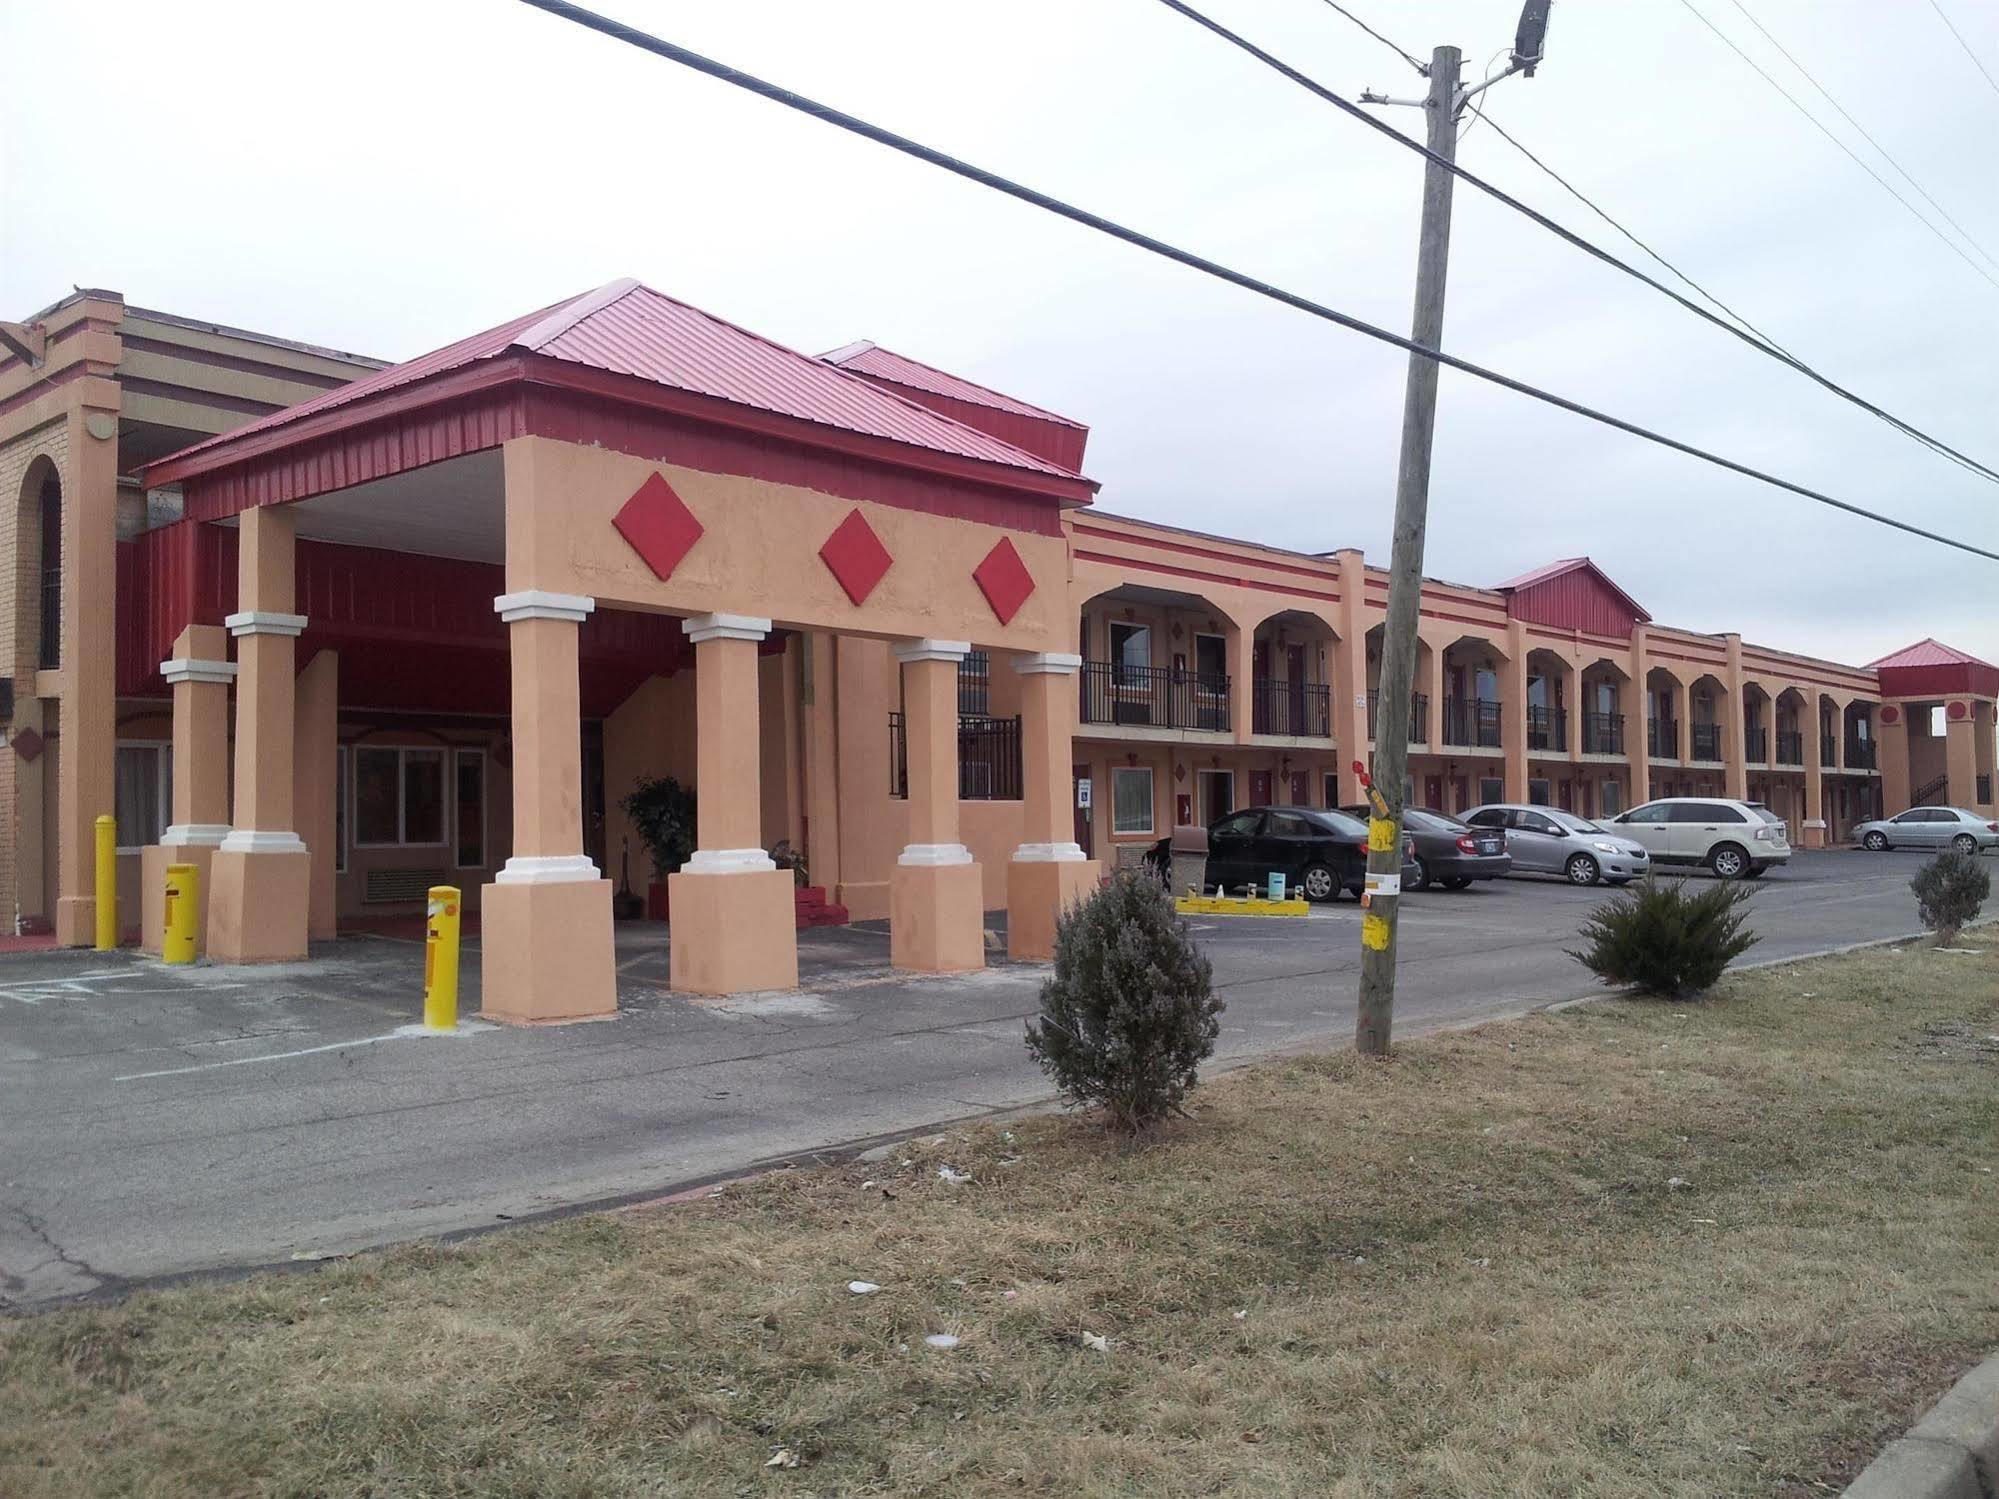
<point x="662" y="814"/>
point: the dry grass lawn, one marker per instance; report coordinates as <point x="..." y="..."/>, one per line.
<point x="1631" y="1249"/>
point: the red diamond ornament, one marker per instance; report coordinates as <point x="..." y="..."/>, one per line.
<point x="28" y="744"/>
<point x="855" y="556"/>
<point x="659" y="526"/>
<point x="1005" y="581"/>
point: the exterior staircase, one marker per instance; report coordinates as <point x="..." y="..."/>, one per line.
<point x="813" y="909"/>
<point x="1931" y="793"/>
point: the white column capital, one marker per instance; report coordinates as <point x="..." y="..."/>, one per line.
<point x="934" y="855"/>
<point x="261" y="841"/>
<point x="185" y="669"/>
<point x="728" y="861"/>
<point x="1048" y="664"/>
<point x="539" y="603"/>
<point x="1050" y="853"/>
<point x="953" y="651"/>
<point x="264" y="622"/>
<point x="703" y="627"/>
<point x="546" y="869"/>
<point x="195" y="835"/>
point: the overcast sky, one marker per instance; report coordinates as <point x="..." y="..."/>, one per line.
<point x="386" y="177"/>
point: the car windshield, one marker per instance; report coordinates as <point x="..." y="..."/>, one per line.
<point x="1339" y="824"/>
<point x="1574" y="823"/>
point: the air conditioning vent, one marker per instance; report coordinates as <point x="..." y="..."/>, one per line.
<point x="394" y="886"/>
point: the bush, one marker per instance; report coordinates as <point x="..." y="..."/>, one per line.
<point x="1950" y="889"/>
<point x="1131" y="1012"/>
<point x="662" y="813"/>
<point x="1664" y="940"/>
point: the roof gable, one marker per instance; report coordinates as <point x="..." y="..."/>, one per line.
<point x="1573" y="594"/>
<point x="1058" y="439"/>
<point x="1929" y="668"/>
<point x="628" y="329"/>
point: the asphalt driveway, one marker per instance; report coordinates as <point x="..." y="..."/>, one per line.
<point x="164" y="1121"/>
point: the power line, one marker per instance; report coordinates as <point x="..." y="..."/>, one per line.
<point x="1964" y="44"/>
<point x="1754" y="340"/>
<point x="671" y="52"/>
<point x="1414" y="62"/>
<point x="1963" y="232"/>
<point x="1820" y="125"/>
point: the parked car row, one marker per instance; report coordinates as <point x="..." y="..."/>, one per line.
<point x="1321" y="851"/>
<point x="1930" y="827"/>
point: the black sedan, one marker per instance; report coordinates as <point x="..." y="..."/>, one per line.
<point x="1319" y="852"/>
<point x="1448" y="852"/>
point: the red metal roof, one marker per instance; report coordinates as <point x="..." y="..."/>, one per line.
<point x="1931" y="652"/>
<point x="629" y="329"/>
<point x="884" y="364"/>
<point x="1563" y="568"/>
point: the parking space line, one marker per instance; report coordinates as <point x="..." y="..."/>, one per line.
<point x="400" y="1033"/>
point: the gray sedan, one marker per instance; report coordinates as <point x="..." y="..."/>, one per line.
<point x="1930" y="827"/>
<point x="1547" y="840"/>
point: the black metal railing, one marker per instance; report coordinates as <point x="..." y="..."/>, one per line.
<point x="1548" y="729"/>
<point x="1471" y="721"/>
<point x="1828" y="750"/>
<point x="988" y="758"/>
<point x="1154" y="697"/>
<point x="1662" y="739"/>
<point x="1790" y="747"/>
<point x="1931" y="792"/>
<point x="975" y="685"/>
<point x="1756" y="745"/>
<point x="1859" y="754"/>
<point x="1301" y="709"/>
<point x="1603" y="733"/>
<point x="1706" y="741"/>
<point x="1419" y="716"/>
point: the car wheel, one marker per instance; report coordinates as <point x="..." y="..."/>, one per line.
<point x="1728" y="861"/>
<point x="1319" y="884"/>
<point x="1582" y="870"/>
<point x="1422" y="880"/>
<point x="1457" y="882"/>
<point x="1875" y="842"/>
<point x="1964" y="843"/>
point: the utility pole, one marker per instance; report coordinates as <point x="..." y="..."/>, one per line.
<point x="1375" y="1023"/>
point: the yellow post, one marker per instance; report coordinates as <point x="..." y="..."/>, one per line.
<point x="440" y="958"/>
<point x="107" y="883"/>
<point x="183" y="903"/>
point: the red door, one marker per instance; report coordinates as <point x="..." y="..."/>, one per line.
<point x="1259" y="788"/>
<point x="1301" y="788"/>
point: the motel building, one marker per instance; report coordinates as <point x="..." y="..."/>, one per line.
<point x="336" y="632"/>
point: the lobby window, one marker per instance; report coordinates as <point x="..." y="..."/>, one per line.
<point x="143" y="793"/>
<point x="398" y="797"/>
<point x="470" y="821"/>
<point x="51" y="643"/>
<point x="1131" y="799"/>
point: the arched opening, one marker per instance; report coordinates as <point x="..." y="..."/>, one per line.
<point x="48" y="651"/>
<point x="1663" y="688"/>
<point x="1756" y="712"/>
<point x="1550" y="686"/>
<point x="1291" y="667"/>
<point x="1603" y="684"/>
<point x="1472" y="707"/>
<point x="1707" y="711"/>
<point x="1419" y="699"/>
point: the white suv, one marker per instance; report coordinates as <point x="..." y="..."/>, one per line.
<point x="1735" y="839"/>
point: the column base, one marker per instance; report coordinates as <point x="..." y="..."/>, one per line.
<point x="76" y="921"/>
<point x="732" y="933"/>
<point x="936" y="918"/>
<point x="154" y="860"/>
<point x="1811" y="834"/>
<point x="1037" y="892"/>
<point x="257" y="905"/>
<point x="546" y="951"/>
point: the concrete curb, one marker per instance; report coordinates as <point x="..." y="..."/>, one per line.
<point x="1952" y="1453"/>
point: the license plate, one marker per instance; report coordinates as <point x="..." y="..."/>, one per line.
<point x="1490" y="846"/>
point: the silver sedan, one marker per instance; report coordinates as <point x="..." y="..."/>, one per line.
<point x="1930" y="827"/>
<point x="1547" y="840"/>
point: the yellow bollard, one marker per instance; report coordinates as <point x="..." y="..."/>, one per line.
<point x="107" y="883"/>
<point x="440" y="958"/>
<point x="183" y="904"/>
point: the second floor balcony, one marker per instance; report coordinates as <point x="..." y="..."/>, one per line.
<point x="1663" y="738"/>
<point x="1302" y="710"/>
<point x="1154" y="697"/>
<point x="1860" y="754"/>
<point x="1705" y="743"/>
<point x="1790" y="747"/>
<point x="1603" y="733"/>
<point x="1471" y="722"/>
<point x="1548" y="730"/>
<point x="1756" y="744"/>
<point x="1419" y="716"/>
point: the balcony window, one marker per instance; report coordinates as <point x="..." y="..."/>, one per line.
<point x="1131" y="799"/>
<point x="1131" y="651"/>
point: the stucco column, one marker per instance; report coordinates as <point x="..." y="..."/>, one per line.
<point x="1049" y="871"/>
<point x="315" y="768"/>
<point x="1734" y="738"/>
<point x="1513" y="712"/>
<point x="87" y="721"/>
<point x="262" y="871"/>
<point x="1891" y="752"/>
<point x="1350" y="725"/>
<point x="1638" y="719"/>
<point x="1814" y="829"/>
<point x="199" y="674"/>
<point x="545" y="920"/>
<point x="733" y="912"/>
<point x="1960" y="752"/>
<point x="936" y="893"/>
<point x="1433" y="688"/>
<point x="1242" y="679"/>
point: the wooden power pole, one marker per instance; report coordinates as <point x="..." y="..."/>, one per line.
<point x="1374" y="1028"/>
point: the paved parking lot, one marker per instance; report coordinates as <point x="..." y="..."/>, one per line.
<point x="158" y="1121"/>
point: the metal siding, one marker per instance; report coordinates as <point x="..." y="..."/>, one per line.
<point x="1059" y="444"/>
<point x="1573" y="600"/>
